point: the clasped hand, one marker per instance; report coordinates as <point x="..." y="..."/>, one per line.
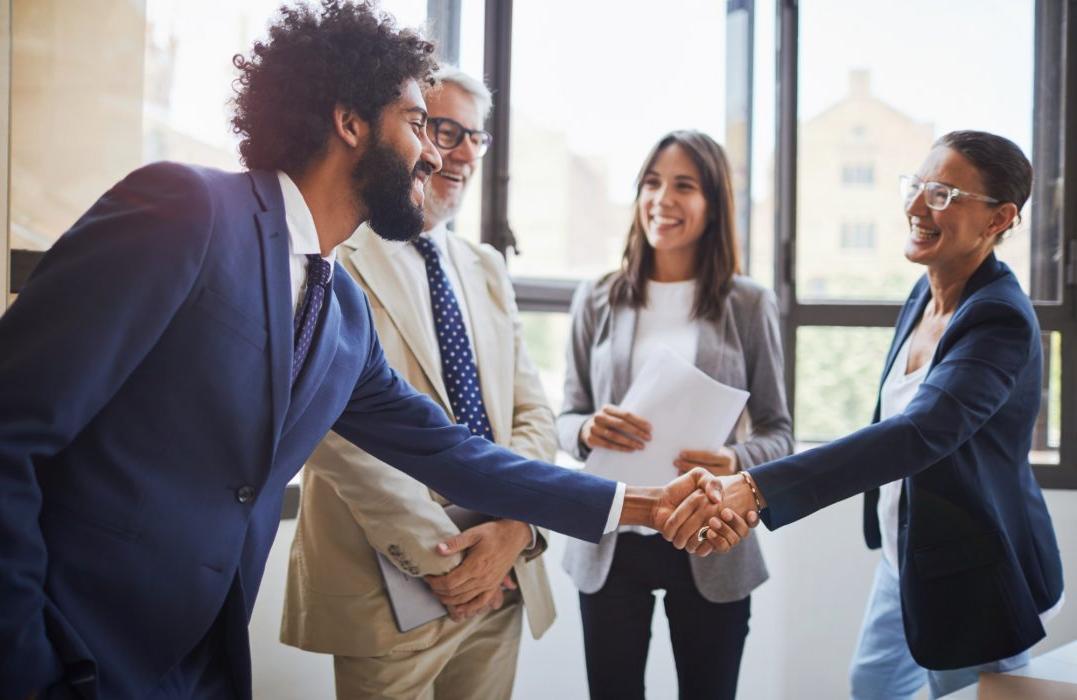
<point x="708" y="492"/>
<point x="477" y="583"/>
<point x="697" y="499"/>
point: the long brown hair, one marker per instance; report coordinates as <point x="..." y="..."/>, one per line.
<point x="719" y="253"/>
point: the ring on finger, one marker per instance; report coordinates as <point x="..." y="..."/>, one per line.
<point x="701" y="536"/>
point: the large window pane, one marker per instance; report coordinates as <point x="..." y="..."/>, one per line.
<point x="468" y="222"/>
<point x="546" y="338"/>
<point x="189" y="72"/>
<point x="837" y="382"/>
<point x="588" y="102"/>
<point x="837" y="379"/>
<point x="869" y="108"/>
<point x="76" y="110"/>
<point x="1047" y="435"/>
<point x="762" y="184"/>
<point x="101" y="88"/>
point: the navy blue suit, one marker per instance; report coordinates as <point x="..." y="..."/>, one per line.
<point x="978" y="560"/>
<point x="148" y="427"/>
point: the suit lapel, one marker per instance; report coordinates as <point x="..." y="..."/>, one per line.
<point x="385" y="277"/>
<point x="486" y="332"/>
<point x="273" y="234"/>
<point x="622" y="333"/>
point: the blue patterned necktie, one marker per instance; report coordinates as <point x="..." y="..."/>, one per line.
<point x="306" y="317"/>
<point x="458" y="369"/>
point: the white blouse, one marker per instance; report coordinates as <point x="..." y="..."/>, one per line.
<point x="898" y="390"/>
<point x="666" y="321"/>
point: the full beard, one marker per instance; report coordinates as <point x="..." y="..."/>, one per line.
<point x="383" y="181"/>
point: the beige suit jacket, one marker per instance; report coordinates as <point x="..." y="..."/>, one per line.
<point x="353" y="505"/>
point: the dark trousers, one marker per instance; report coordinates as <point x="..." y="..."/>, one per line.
<point x="708" y="638"/>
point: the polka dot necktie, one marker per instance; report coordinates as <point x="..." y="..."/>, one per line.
<point x="306" y="318"/>
<point x="458" y="369"/>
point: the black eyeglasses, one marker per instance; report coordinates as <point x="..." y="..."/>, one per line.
<point x="448" y="134"/>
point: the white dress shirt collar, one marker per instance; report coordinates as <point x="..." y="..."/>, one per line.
<point x="440" y="236"/>
<point x="302" y="237"/>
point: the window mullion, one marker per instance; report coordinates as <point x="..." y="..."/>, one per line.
<point x="785" y="174"/>
<point x="497" y="65"/>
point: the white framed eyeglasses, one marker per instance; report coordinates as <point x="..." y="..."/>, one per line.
<point x="937" y="196"/>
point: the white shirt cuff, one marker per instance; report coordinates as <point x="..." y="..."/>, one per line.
<point x="616" y="508"/>
<point x="534" y="538"/>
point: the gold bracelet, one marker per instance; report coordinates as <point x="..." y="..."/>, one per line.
<point x="751" y="484"/>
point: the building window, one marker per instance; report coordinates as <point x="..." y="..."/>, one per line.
<point x="858" y="235"/>
<point x="858" y="174"/>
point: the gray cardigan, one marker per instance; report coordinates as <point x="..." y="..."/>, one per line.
<point x="742" y="349"/>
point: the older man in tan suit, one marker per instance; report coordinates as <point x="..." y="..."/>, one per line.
<point x="354" y="507"/>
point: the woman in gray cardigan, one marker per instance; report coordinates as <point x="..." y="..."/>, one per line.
<point x="677" y="288"/>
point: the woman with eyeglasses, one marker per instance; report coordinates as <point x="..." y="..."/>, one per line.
<point x="679" y="288"/>
<point x="970" y="567"/>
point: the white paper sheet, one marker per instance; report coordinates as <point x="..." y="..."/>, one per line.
<point x="687" y="410"/>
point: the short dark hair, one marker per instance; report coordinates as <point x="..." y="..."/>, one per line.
<point x="719" y="251"/>
<point x="343" y="53"/>
<point x="1003" y="167"/>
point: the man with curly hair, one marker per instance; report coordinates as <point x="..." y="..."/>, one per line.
<point x="199" y="342"/>
<point x="358" y="514"/>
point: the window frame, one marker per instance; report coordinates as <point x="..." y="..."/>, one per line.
<point x="1058" y="316"/>
<point x="1054" y="114"/>
<point x="1053" y="38"/>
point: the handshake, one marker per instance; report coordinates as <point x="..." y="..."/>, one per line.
<point x="697" y="511"/>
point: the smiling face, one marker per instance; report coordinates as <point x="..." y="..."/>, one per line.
<point x="402" y="127"/>
<point x="391" y="175"/>
<point x="671" y="206"/>
<point x="445" y="190"/>
<point x="961" y="235"/>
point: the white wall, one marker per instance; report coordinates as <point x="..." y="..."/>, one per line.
<point x="803" y="628"/>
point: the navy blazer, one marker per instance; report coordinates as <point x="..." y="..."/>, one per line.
<point x="977" y="553"/>
<point x="148" y="428"/>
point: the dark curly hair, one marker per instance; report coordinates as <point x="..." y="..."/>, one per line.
<point x="346" y="53"/>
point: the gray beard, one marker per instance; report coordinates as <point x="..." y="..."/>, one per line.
<point x="437" y="211"/>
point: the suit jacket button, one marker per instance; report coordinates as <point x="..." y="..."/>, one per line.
<point x="244" y="494"/>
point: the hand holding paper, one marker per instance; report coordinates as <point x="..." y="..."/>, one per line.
<point x="685" y="408"/>
<point x="613" y="428"/>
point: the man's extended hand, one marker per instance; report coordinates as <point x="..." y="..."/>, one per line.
<point x="734" y="498"/>
<point x="734" y="493"/>
<point x="492" y="549"/>
<point x="680" y="508"/>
